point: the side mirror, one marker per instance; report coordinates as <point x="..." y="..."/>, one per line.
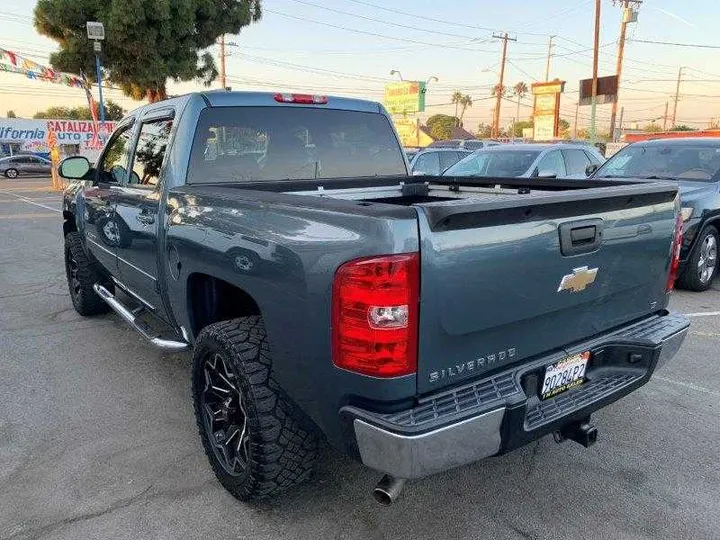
<point x="546" y="173"/>
<point x="590" y="169"/>
<point x="74" y="167"/>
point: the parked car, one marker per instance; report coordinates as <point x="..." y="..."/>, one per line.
<point x="467" y="144"/>
<point x="529" y="161"/>
<point x="23" y="165"/>
<point x="300" y="283"/>
<point x="433" y="161"/>
<point x="411" y="152"/>
<point x="694" y="164"/>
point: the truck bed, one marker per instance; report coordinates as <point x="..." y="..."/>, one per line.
<point x="495" y="253"/>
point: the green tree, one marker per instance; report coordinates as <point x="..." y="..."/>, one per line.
<point x="113" y="112"/>
<point x="456" y="99"/>
<point x="520" y="90"/>
<point x="11" y="114"/>
<point x="484" y="131"/>
<point x="465" y="102"/>
<point x="441" y="125"/>
<point x="652" y="128"/>
<point x="146" y="42"/>
<point x="519" y="126"/>
<point x="683" y="127"/>
<point x="563" y="128"/>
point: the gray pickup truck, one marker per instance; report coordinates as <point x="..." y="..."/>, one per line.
<point x="416" y="323"/>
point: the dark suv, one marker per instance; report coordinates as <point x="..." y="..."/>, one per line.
<point x="694" y="163"/>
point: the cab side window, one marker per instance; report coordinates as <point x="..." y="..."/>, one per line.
<point x="150" y="153"/>
<point x="113" y="168"/>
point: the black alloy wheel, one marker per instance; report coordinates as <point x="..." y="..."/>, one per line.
<point x="224" y="415"/>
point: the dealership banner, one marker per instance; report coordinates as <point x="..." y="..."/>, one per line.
<point x="32" y="135"/>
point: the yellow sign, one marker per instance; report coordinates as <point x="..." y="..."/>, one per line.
<point x="405" y="97"/>
<point x="544" y="127"/>
<point x="545" y="104"/>
<point x="552" y="87"/>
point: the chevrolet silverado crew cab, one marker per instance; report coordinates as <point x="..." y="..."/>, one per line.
<point x="417" y="323"/>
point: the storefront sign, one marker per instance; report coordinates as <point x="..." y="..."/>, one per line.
<point x="34" y="135"/>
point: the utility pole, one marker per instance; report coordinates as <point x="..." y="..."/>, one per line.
<point x="547" y="64"/>
<point x="577" y="109"/>
<point x="499" y="90"/>
<point x="665" y="117"/>
<point x="222" y="62"/>
<point x="596" y="50"/>
<point x="677" y="96"/>
<point x="626" y="18"/>
<point x="622" y="113"/>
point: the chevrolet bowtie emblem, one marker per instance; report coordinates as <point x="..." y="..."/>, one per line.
<point x="578" y="280"/>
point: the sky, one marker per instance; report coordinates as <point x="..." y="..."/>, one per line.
<point x="349" y="47"/>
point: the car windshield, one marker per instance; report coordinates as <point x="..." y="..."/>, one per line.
<point x="503" y="163"/>
<point x="236" y="144"/>
<point x="700" y="162"/>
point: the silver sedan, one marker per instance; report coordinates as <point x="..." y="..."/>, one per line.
<point x="24" y="165"/>
<point x="530" y="161"/>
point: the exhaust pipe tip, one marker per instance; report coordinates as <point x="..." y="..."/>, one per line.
<point x="388" y="489"/>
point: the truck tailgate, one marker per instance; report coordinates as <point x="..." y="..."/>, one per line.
<point x="505" y="279"/>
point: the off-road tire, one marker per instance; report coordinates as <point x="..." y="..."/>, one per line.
<point x="283" y="442"/>
<point x="689" y="278"/>
<point x="85" y="301"/>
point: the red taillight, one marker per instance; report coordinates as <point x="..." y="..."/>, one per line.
<point x="675" y="253"/>
<point x="305" y="99"/>
<point x="375" y="315"/>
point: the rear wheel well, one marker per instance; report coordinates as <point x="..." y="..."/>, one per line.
<point x="212" y="300"/>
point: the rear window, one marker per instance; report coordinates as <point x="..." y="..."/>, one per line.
<point x="247" y="144"/>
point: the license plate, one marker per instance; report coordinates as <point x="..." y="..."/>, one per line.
<point x="564" y="375"/>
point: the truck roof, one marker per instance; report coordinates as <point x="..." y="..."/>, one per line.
<point x="225" y="98"/>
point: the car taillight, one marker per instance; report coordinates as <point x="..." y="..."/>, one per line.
<point x="375" y="315"/>
<point x="675" y="253"/>
<point x="306" y="99"/>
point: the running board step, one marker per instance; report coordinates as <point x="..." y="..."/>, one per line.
<point x="131" y="318"/>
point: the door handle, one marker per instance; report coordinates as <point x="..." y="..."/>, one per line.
<point x="579" y="237"/>
<point x="145" y="218"/>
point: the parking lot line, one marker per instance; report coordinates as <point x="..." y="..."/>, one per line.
<point x="29" y="201"/>
<point x="703" y="314"/>
<point x="29" y="216"/>
<point x="690" y="386"/>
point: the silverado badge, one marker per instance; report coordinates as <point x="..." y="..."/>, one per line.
<point x="578" y="280"/>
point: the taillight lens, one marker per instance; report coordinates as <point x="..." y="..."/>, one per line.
<point x="375" y="315"/>
<point x="675" y="253"/>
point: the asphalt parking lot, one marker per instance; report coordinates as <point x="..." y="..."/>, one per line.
<point x="98" y="440"/>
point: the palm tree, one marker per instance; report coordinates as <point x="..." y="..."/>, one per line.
<point x="520" y="90"/>
<point x="456" y="98"/>
<point x="465" y="102"/>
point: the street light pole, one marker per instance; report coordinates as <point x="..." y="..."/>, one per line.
<point x="223" y="82"/>
<point x="98" y="74"/>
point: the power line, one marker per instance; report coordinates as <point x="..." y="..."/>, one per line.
<point x="374" y="34"/>
<point x="373" y="19"/>
<point x="691" y="45"/>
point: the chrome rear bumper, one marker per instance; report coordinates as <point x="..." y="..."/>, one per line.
<point x="495" y="415"/>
